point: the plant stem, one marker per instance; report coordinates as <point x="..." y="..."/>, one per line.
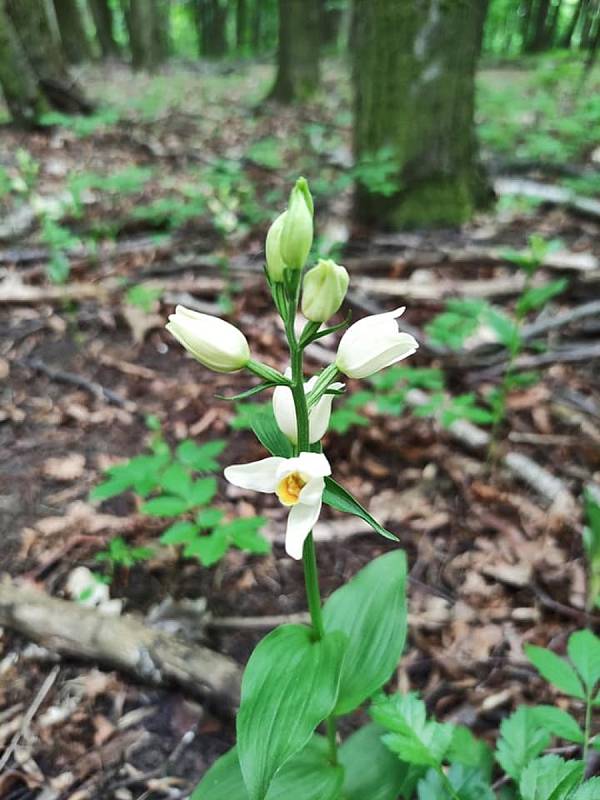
<point x="309" y="556"/>
<point x="587" y="727"/>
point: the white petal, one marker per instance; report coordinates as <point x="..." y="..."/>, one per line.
<point x="404" y="345"/>
<point x="285" y="412"/>
<point x="301" y="519"/>
<point x="319" y="418"/>
<point x="259" y="476"/>
<point x="312" y="492"/>
<point x="315" y="465"/>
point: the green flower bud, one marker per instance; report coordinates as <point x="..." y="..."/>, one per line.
<point x="275" y="265"/>
<point x="323" y="290"/>
<point x="297" y="232"/>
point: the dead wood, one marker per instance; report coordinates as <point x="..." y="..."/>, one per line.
<point x="547" y="193"/>
<point x="123" y="643"/>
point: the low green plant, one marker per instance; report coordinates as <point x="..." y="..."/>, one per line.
<point x="178" y="485"/>
<point x="591" y="546"/>
<point x="378" y="172"/>
<point x="143" y="297"/>
<point x="82" y="126"/>
<point x="121" y="554"/>
<point x="59" y="240"/>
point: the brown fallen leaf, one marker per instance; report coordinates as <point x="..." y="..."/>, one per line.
<point x="68" y="468"/>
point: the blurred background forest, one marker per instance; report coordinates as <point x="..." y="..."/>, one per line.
<point x="453" y="151"/>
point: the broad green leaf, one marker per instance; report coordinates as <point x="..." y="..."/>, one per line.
<point x="371" y="772"/>
<point x="179" y="533"/>
<point x="550" y="778"/>
<point x="590" y="790"/>
<point x="309" y="775"/>
<point x="176" y="480"/>
<point x="110" y="488"/>
<point x="201" y="492"/>
<point x="209" y="517"/>
<point x="466" y="749"/>
<point x="584" y="651"/>
<point x="165" y="506"/>
<point x="521" y="740"/>
<point x="467" y="783"/>
<point x="245" y="534"/>
<point x="504" y="327"/>
<point x="201" y="458"/>
<point x="558" y="722"/>
<point x="289" y="686"/>
<point x="538" y="296"/>
<point x="268" y="433"/>
<point x="207" y="549"/>
<point x="371" y="611"/>
<point x="339" y="498"/>
<point x="413" y="738"/>
<point x="555" y="670"/>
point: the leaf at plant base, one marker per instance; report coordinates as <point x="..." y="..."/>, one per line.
<point x="209" y="517"/>
<point x="165" y="506"/>
<point x="244" y="532"/>
<point x="201" y="458"/>
<point x="590" y="790"/>
<point x="584" y="651"/>
<point x="207" y="549"/>
<point x="339" y="498"/>
<point x="202" y="492"/>
<point x="176" y="480"/>
<point x="179" y="533"/>
<point x="521" y="740"/>
<point x="371" y="770"/>
<point x="289" y="686"/>
<point x="309" y="775"/>
<point x="466" y="749"/>
<point x="550" y="778"/>
<point x="268" y="433"/>
<point x="559" y="723"/>
<point x="413" y="738"/>
<point x="371" y="611"/>
<point x="555" y="670"/>
<point x="468" y="783"/>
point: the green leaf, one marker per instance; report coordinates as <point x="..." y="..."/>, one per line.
<point x="207" y="549"/>
<point x="110" y="488"/>
<point x="309" y="775"/>
<point x="538" y="296"/>
<point x="268" y="433"/>
<point x="467" y="784"/>
<point x="371" y="610"/>
<point x="521" y="740"/>
<point x="165" y="506"/>
<point x="339" y="498"/>
<point x="176" y="480"/>
<point x="200" y="458"/>
<point x="209" y="517"/>
<point x="584" y="651"/>
<point x="471" y="752"/>
<point x="289" y="686"/>
<point x="179" y="533"/>
<point x="590" y="790"/>
<point x="558" y="722"/>
<point x="505" y="328"/>
<point x="555" y="670"/>
<point x="245" y="534"/>
<point x="248" y="393"/>
<point x="201" y="492"/>
<point x="412" y="737"/>
<point x="550" y="778"/>
<point x="371" y="772"/>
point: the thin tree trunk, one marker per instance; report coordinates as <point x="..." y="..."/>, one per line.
<point x="74" y="39"/>
<point x="44" y="53"/>
<point x="570" y="32"/>
<point x="414" y="82"/>
<point x="256" y="26"/>
<point x="298" y="52"/>
<point x="330" y="21"/>
<point x="538" y="38"/>
<point x="241" y="24"/>
<point x="146" y="24"/>
<point x="23" y="95"/>
<point x="103" y="21"/>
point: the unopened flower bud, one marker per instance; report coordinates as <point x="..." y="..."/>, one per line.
<point x="215" y="343"/>
<point x="297" y="232"/>
<point x="323" y="290"/>
<point x="275" y="265"/>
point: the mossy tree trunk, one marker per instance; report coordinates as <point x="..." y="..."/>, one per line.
<point x="147" y="25"/>
<point x="211" y="16"/>
<point x="74" y="39"/>
<point x="103" y="21"/>
<point x="414" y="80"/>
<point x="45" y="55"/>
<point x="24" y="97"/>
<point x="298" y="52"/>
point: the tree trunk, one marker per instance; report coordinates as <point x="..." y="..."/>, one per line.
<point x="538" y="37"/>
<point x="330" y="21"/>
<point x="103" y="21"/>
<point x="147" y="25"/>
<point x="72" y="31"/>
<point x="256" y="26"/>
<point x="44" y="53"/>
<point x="24" y="98"/>
<point x="414" y="81"/>
<point x="241" y="24"/>
<point x="211" y="16"/>
<point x="298" y="52"/>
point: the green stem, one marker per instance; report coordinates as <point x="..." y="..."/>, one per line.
<point x="309" y="556"/>
<point x="587" y="727"/>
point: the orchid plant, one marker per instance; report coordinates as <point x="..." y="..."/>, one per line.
<point x="302" y="676"/>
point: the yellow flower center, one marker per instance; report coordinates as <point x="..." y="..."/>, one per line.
<point x="290" y="487"/>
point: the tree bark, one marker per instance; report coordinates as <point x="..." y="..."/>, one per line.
<point x="570" y="32"/>
<point x="241" y="24"/>
<point x="538" y="38"/>
<point x="147" y="25"/>
<point x="103" y="21"/>
<point x="331" y="21"/>
<point x="414" y="81"/>
<point x="256" y="26"/>
<point x="72" y="31"/>
<point x="23" y="95"/>
<point x="44" y="53"/>
<point x="298" y="71"/>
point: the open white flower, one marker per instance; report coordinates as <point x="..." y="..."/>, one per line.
<point x="372" y="344"/>
<point x="217" y="344"/>
<point x="298" y="483"/>
<point x="285" y="411"/>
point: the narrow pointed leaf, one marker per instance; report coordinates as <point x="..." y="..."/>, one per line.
<point x="584" y="651"/>
<point x="248" y="393"/>
<point x="555" y="670"/>
<point x="558" y="722"/>
<point x="269" y="435"/>
<point x="339" y="498"/>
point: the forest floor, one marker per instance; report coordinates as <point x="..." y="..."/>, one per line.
<point x="198" y="167"/>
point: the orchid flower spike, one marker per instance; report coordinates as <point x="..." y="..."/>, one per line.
<point x="372" y="344"/>
<point x="298" y="483"/>
<point x="318" y="417"/>
<point x="217" y="344"/>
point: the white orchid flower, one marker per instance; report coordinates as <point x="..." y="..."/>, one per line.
<point x="372" y="344"/>
<point x="215" y="343"/>
<point x="318" y="417"/>
<point x="298" y="483"/>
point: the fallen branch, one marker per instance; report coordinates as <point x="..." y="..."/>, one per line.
<point x="547" y="193"/>
<point x="122" y="643"/>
